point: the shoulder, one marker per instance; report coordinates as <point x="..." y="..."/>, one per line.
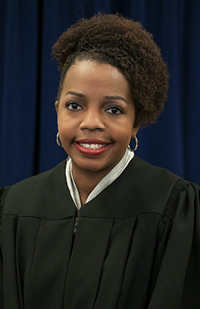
<point x="28" y="195"/>
<point x="141" y="166"/>
<point x="41" y="180"/>
<point x="154" y="187"/>
<point x="147" y="176"/>
<point x="3" y="193"/>
<point x="154" y="173"/>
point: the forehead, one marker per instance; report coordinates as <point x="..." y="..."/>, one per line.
<point x="94" y="75"/>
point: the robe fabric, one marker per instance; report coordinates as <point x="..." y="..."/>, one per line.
<point x="135" y="245"/>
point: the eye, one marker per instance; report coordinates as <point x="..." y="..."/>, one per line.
<point x="73" y="106"/>
<point x="114" y="110"/>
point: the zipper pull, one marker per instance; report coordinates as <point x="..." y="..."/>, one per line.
<point x="75" y="225"/>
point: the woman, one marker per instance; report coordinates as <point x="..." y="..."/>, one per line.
<point x="103" y="229"/>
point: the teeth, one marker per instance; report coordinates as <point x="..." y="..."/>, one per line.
<point x="92" y="146"/>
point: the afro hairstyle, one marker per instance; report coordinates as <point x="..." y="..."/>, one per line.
<point x="125" y="44"/>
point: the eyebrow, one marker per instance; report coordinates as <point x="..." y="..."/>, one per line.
<point x="76" y="93"/>
<point x="106" y="97"/>
<point x="115" y="98"/>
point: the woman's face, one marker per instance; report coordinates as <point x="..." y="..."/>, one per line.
<point x="95" y="116"/>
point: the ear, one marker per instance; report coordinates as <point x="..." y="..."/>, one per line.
<point x="56" y="106"/>
<point x="134" y="131"/>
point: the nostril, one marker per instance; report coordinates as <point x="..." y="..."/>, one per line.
<point x="92" y="123"/>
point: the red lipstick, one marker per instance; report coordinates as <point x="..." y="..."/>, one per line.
<point x="91" y="141"/>
<point x="91" y="147"/>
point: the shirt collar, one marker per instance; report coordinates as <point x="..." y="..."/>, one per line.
<point x="105" y="182"/>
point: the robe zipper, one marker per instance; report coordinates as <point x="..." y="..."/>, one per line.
<point x="76" y="223"/>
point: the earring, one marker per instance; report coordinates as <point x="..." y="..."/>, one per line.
<point x="136" y="144"/>
<point x="58" y="140"/>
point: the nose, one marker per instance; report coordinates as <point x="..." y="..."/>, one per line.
<point x="92" y="120"/>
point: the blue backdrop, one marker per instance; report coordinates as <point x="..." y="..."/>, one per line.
<point x="29" y="82"/>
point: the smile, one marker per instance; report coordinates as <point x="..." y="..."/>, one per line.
<point x="92" y="146"/>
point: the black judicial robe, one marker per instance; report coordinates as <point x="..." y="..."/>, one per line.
<point x="137" y="244"/>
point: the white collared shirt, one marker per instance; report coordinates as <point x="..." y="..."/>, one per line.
<point x="106" y="181"/>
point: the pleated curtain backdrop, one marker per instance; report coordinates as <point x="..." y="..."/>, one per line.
<point x="29" y="82"/>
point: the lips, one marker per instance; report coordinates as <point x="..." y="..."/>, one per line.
<point x="91" y="147"/>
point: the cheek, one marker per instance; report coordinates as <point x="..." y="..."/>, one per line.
<point x="64" y="123"/>
<point x="123" y="131"/>
<point x="64" y="130"/>
<point x="66" y="134"/>
<point x="68" y="130"/>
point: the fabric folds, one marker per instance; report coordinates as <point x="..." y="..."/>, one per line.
<point x="137" y="243"/>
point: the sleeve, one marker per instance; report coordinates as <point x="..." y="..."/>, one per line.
<point x="178" y="282"/>
<point x="3" y="194"/>
<point x="1" y="257"/>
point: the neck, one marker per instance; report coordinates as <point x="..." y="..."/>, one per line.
<point x="86" y="182"/>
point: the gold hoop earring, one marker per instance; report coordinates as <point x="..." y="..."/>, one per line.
<point x="58" y="140"/>
<point x="136" y="144"/>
